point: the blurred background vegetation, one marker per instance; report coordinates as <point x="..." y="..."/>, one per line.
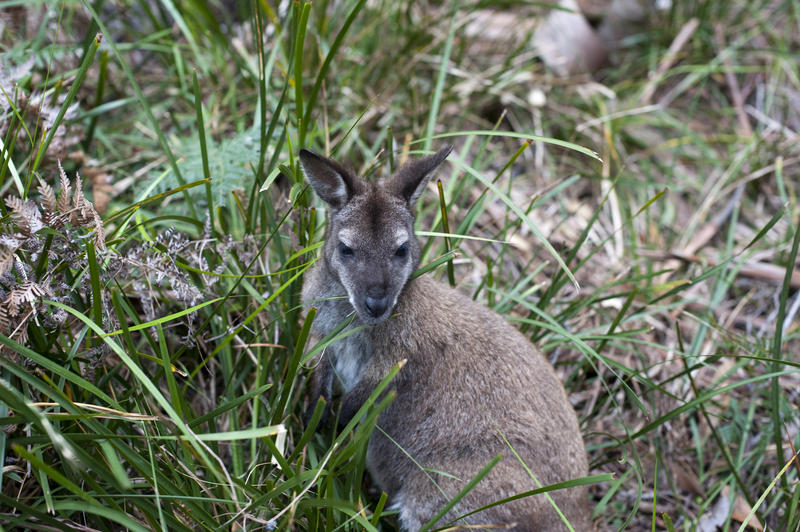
<point x="623" y="188"/>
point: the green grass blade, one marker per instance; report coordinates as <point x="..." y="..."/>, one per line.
<point x="152" y="389"/>
<point x="521" y="136"/>
<point x="461" y="494"/>
<point x="451" y="277"/>
<point x="300" y="39"/>
<point x="776" y="392"/>
<point x="444" y="63"/>
<point x="294" y="366"/>
<point x="201" y="133"/>
<point x="62" y="372"/>
<point x="88" y="58"/>
<point x="158" y="322"/>
<point x="332" y="51"/>
<point x="115" y="465"/>
<point x="781" y="474"/>
<point x="98" y="509"/>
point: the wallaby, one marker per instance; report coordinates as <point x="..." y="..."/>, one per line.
<point x="472" y="385"/>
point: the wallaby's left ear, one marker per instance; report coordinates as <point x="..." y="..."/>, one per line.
<point x="331" y="181"/>
<point x="410" y="180"/>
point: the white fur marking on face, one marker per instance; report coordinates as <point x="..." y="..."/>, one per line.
<point x="400" y="237"/>
<point x="347" y="237"/>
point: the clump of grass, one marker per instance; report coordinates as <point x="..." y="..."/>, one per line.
<point x="153" y="373"/>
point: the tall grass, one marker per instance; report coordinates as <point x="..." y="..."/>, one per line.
<point x="153" y="366"/>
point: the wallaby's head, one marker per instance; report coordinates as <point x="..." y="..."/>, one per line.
<point x="370" y="245"/>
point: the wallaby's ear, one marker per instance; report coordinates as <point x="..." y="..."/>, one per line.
<point x="410" y="180"/>
<point x="331" y="181"/>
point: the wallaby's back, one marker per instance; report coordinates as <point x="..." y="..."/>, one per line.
<point x="472" y="386"/>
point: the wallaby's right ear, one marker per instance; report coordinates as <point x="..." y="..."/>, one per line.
<point x="333" y="183"/>
<point x="410" y="180"/>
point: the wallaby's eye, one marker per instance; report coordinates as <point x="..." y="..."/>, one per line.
<point x="344" y="250"/>
<point x="402" y="251"/>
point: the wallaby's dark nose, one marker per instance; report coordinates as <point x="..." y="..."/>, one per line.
<point x="376" y="306"/>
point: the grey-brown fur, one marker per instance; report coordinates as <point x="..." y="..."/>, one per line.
<point x="471" y="380"/>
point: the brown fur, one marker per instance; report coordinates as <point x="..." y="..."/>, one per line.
<point x="472" y="386"/>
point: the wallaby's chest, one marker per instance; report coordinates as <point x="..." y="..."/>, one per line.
<point x="348" y="358"/>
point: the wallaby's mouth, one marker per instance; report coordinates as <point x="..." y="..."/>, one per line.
<point x="374" y="321"/>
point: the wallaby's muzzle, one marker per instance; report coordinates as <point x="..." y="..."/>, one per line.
<point x="376" y="306"/>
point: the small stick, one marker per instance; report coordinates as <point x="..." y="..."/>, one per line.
<point x="669" y="59"/>
<point x="705" y="234"/>
<point x="756" y="270"/>
<point x="736" y="92"/>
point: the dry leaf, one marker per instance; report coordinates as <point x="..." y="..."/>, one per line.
<point x="711" y="522"/>
<point x="741" y="509"/>
<point x="101" y="187"/>
<point x="685" y="476"/>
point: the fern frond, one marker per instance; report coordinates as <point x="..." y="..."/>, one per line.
<point x="6" y="260"/>
<point x="14" y="203"/>
<point x="57" y="221"/>
<point x="5" y="319"/>
<point x="64" y="195"/>
<point x="25" y="214"/>
<point x="77" y="195"/>
<point x="11" y="241"/>
<point x="48" y="199"/>
<point x="20" y="334"/>
<point x="77" y="216"/>
<point x="27" y="292"/>
<point x="99" y="231"/>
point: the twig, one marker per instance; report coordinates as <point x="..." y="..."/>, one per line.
<point x="669" y="59"/>
<point x="705" y="233"/>
<point x="755" y="270"/>
<point x="736" y="92"/>
<point x="761" y="172"/>
<point x="771" y="123"/>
